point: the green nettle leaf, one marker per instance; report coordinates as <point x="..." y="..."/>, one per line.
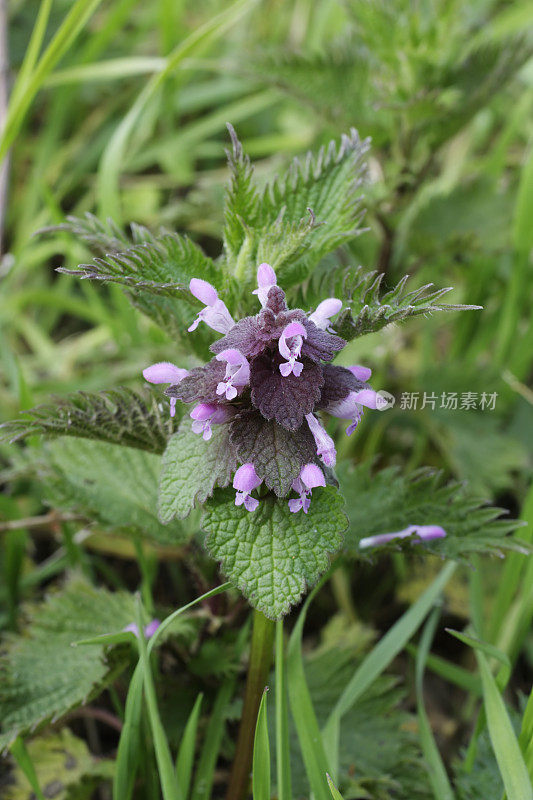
<point x="121" y="416"/>
<point x="41" y="675"/>
<point x="102" y="237"/>
<point x="192" y="468"/>
<point x="390" y="501"/>
<point x="271" y="554"/>
<point x="298" y="218"/>
<point x="366" y="311"/>
<point x="112" y="485"/>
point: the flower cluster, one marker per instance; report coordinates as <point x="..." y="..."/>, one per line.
<point x="269" y="378"/>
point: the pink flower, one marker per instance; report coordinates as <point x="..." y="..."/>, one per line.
<point x="148" y="630"/>
<point x="423" y="532"/>
<point x="215" y="314"/>
<point x="237" y="373"/>
<point x="245" y="481"/>
<point x="309" y="478"/>
<point x="361" y="373"/>
<point x="325" y="447"/>
<point x="266" y="279"/>
<point x="290" y="346"/>
<point x="324" y="311"/>
<point x="206" y="414"/>
<point x="165" y="372"/>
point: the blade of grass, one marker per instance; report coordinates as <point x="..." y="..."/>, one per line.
<point x="283" y="755"/>
<point x="261" y="757"/>
<point x="185" y="759"/>
<point x="504" y="743"/>
<point x="129" y="746"/>
<point x="526" y="736"/>
<point x="336" y="795"/>
<point x="64" y="37"/>
<point x="303" y="713"/>
<point x="205" y="770"/>
<point x="380" y="657"/>
<point x="438" y="777"/>
<point x="165" y="767"/>
<point x="20" y="754"/>
<point x="113" y="156"/>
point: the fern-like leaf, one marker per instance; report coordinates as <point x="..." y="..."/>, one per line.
<point x="390" y="501"/>
<point x="121" y="416"/>
<point x="367" y="311"/>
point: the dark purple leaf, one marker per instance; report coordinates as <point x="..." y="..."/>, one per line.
<point x="285" y="399"/>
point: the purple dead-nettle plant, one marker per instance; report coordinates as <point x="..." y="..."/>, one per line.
<point x="272" y="366"/>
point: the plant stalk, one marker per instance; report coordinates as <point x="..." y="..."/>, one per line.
<point x="258" y="669"/>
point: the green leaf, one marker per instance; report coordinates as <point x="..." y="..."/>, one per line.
<point x="298" y="218"/>
<point x="390" y="501"/>
<point x="276" y="453"/>
<point x="115" y="486"/>
<point x="102" y="238"/>
<point x="63" y="763"/>
<point x="42" y="675"/>
<point x="192" y="468"/>
<point x="121" y="416"/>
<point x="154" y="272"/>
<point x="504" y="742"/>
<point x="366" y="311"/>
<point x="380" y="657"/>
<point x="128" y="752"/>
<point x="185" y="759"/>
<point x="271" y="554"/>
<point x="437" y="772"/>
<point x="261" y="755"/>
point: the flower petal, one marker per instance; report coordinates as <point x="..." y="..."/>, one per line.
<point x="312" y="476"/>
<point x="164" y="372"/>
<point x="246" y="479"/>
<point x="424" y="532"/>
<point x="203" y="291"/>
<point x="361" y="373"/>
<point x="266" y="276"/>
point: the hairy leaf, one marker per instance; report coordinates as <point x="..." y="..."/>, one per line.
<point x="192" y="467"/>
<point x="113" y="485"/>
<point x="277" y="454"/>
<point x="298" y="218"/>
<point x="102" y="237"/>
<point x="271" y="554"/>
<point x="121" y="416"/>
<point x="41" y="675"/>
<point x="367" y="311"/>
<point x="390" y="501"/>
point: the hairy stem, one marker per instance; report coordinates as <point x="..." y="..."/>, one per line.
<point x="258" y="669"/>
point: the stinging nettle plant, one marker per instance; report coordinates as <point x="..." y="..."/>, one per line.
<point x="241" y="431"/>
<point x="257" y="404"/>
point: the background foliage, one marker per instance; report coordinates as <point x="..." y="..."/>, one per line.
<point x="123" y="114"/>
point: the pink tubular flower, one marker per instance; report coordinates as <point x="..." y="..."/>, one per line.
<point x="348" y="408"/>
<point x="206" y="414"/>
<point x="325" y="447"/>
<point x="266" y="279"/>
<point x="296" y="332"/>
<point x="215" y="314"/>
<point x="324" y="311"/>
<point x="165" y="372"/>
<point x="309" y="478"/>
<point x="148" y="630"/>
<point x="361" y="373"/>
<point x="245" y="481"/>
<point x="423" y="532"/>
<point x="237" y="373"/>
